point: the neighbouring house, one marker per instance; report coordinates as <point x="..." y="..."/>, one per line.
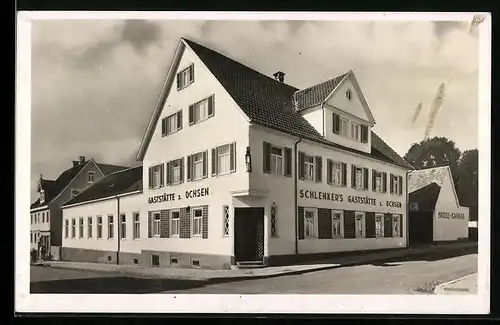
<point x="242" y="168"/>
<point x="46" y="216"/>
<point x="435" y="212"/>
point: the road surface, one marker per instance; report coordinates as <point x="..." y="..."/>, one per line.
<point x="392" y="277"/>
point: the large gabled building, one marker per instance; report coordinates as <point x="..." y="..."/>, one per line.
<point x="240" y="167"/>
<point x="46" y="213"/>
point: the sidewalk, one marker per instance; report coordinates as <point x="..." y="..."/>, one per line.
<point x="266" y="272"/>
<point x="464" y="285"/>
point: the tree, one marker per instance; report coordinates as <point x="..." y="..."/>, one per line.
<point x="467" y="188"/>
<point x="434" y="152"/>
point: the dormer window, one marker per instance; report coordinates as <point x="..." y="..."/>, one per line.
<point x="42" y="196"/>
<point x="356" y="131"/>
<point x="74" y="192"/>
<point x="348" y="94"/>
<point x="185" y="77"/>
<point x="90" y="177"/>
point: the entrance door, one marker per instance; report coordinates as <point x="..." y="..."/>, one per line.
<point x="248" y="234"/>
<point x="421" y="227"/>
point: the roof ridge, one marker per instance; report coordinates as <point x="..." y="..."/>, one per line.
<point x="237" y="62"/>
<point x="321" y="83"/>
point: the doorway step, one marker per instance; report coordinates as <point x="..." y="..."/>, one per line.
<point x="249" y="264"/>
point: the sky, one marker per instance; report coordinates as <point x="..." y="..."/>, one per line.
<point x="95" y="82"/>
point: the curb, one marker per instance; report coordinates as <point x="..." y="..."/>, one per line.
<point x="250" y="277"/>
<point x="442" y="287"/>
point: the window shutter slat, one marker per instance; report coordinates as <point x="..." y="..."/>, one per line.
<point x="288" y="162"/>
<point x="181" y="168"/>
<point x="364" y="133"/>
<point x="319" y="169"/>
<point x="384" y="182"/>
<point x="179" y="120"/>
<point x="211" y="105"/>
<point x="400" y="185"/>
<point x="353" y="176"/>
<point x="329" y="166"/>
<point x="205" y="164"/>
<point x="214" y="162"/>
<point x="344" y="174"/>
<point x="232" y="150"/>
<point x="365" y="178"/>
<point x="374" y="180"/>
<point x="189" y="169"/>
<point x="266" y="155"/>
<point x="391" y="184"/>
<point x="301" y="165"/>
<point x="150" y="177"/>
<point x="191" y="114"/>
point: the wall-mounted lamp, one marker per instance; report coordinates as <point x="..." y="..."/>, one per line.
<point x="248" y="160"/>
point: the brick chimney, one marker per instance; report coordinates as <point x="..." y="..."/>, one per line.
<point x="82" y="160"/>
<point x="75" y="163"/>
<point x="280" y="76"/>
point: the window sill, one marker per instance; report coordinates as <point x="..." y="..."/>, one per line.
<point x="167" y="134"/>
<point x="196" y="236"/>
<point x="174" y="236"/>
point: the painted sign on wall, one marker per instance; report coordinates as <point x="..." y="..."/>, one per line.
<point x="169" y="197"/>
<point x="452" y="215"/>
<point x="338" y="197"/>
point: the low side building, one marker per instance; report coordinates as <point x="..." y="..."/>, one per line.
<point x="435" y="211"/>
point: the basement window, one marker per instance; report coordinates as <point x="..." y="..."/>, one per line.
<point x="174" y="261"/>
<point x="195" y="263"/>
<point x="136" y="261"/>
<point x="155" y="260"/>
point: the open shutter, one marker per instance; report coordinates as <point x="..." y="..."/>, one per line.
<point x="266" y="155"/>
<point x="400" y="178"/>
<point x="391" y="184"/>
<point x="164" y="224"/>
<point x="344" y="174"/>
<point x="288" y="162"/>
<point x="179" y="120"/>
<point x="162" y="175"/>
<point x="353" y="176"/>
<point x="191" y="72"/>
<point x="364" y="133"/>
<point x="189" y="170"/>
<point x="169" y="174"/>
<point x="150" y="170"/>
<point x="384" y="182"/>
<point x="336" y="123"/>
<point x="214" y="161"/>
<point x="150" y="221"/>
<point x="401" y="225"/>
<point x="191" y="114"/>
<point x="319" y="168"/>
<point x="205" y="164"/>
<point x="387" y="225"/>
<point x="365" y="178"/>
<point x="370" y="224"/>
<point x="374" y="180"/>
<point x="232" y="151"/>
<point x="178" y="81"/>
<point x="329" y="171"/>
<point x="211" y="105"/>
<point x="302" y="157"/>
<point x="300" y="222"/>
<point x="181" y="169"/>
<point x="163" y="126"/>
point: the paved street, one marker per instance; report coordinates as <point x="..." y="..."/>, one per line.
<point x="398" y="276"/>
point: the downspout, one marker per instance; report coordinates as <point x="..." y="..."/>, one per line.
<point x="407" y="232"/>
<point x="295" y="195"/>
<point x="118" y="224"/>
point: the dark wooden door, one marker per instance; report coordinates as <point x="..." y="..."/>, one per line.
<point x="421" y="227"/>
<point x="248" y="234"/>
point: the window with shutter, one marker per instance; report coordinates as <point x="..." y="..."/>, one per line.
<point x="202" y="110"/>
<point x="176" y="171"/>
<point x="185" y="77"/>
<point x="309" y="168"/>
<point x="156" y="175"/>
<point x="336" y="173"/>
<point x="198" y="166"/>
<point x="172" y="123"/>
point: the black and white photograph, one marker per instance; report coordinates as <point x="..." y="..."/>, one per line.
<point x="253" y="162"/>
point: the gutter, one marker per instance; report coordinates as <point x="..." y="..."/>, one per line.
<point x="100" y="199"/>
<point x="407" y="232"/>
<point x="295" y="195"/>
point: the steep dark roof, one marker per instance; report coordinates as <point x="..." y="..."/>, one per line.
<point x="426" y="197"/>
<point x="120" y="182"/>
<point x="316" y="94"/>
<point x="270" y="103"/>
<point x="55" y="187"/>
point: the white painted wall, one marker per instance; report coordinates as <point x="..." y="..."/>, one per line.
<point x="314" y="116"/>
<point x="446" y="225"/>
<point x="281" y="192"/>
<point x="353" y="106"/>
<point x="229" y="124"/>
